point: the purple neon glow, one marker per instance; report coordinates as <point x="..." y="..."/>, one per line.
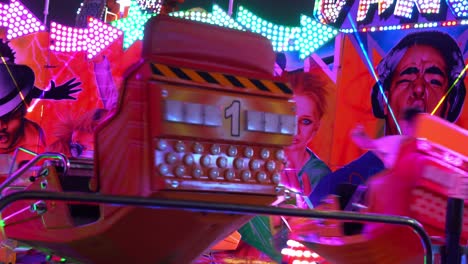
<point x="93" y="39"/>
<point x="18" y="20"/>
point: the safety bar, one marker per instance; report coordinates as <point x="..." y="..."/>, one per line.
<point x="18" y="173"/>
<point x="220" y="207"/>
<point x="15" y="155"/>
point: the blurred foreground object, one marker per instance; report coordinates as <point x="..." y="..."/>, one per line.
<point x="430" y="173"/>
<point x="201" y="118"/>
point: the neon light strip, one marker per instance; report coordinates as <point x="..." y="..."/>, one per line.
<point x="448" y="91"/>
<point x="407" y="26"/>
<point x="371" y="67"/>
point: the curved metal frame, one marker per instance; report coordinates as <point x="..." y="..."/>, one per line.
<point x="220" y="207"/>
<point x="18" y="173"/>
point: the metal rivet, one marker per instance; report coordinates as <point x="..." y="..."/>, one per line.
<point x="229" y="175"/>
<point x="270" y="165"/>
<point x="262" y="176"/>
<point x="246" y="175"/>
<point x="180" y="146"/>
<point x="162" y="144"/>
<point x="205" y="160"/>
<point x="249" y="152"/>
<point x="188" y="159"/>
<point x="265" y="153"/>
<point x="214" y="174"/>
<point x="232" y="151"/>
<point x="215" y="149"/>
<point x="221" y="162"/>
<point x="180" y="171"/>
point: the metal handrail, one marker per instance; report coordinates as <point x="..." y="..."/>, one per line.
<point x="15" y="155"/>
<point x="18" y="173"/>
<point x="220" y="207"/>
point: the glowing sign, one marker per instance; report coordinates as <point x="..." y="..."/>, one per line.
<point x="19" y="20"/>
<point x="404" y="8"/>
<point x="328" y="11"/>
<point x="459" y="7"/>
<point x="364" y="6"/>
<point x="133" y="25"/>
<point x="307" y="38"/>
<point x="93" y="39"/>
<point x="151" y="5"/>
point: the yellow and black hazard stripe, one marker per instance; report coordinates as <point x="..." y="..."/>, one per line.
<point x="221" y="79"/>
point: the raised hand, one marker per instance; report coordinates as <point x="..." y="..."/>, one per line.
<point x="360" y="138"/>
<point x="64" y="91"/>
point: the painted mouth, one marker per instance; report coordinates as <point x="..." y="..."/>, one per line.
<point x="419" y="104"/>
<point x="4" y="137"/>
<point x="295" y="141"/>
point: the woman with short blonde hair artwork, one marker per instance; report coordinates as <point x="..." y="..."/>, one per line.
<point x="303" y="169"/>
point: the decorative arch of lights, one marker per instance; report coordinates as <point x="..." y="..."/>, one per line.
<point x="329" y="11"/>
<point x="304" y="39"/>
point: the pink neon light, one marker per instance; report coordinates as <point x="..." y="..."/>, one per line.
<point x="18" y="20"/>
<point x="95" y="38"/>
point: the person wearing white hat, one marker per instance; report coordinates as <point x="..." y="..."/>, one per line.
<point x="16" y="84"/>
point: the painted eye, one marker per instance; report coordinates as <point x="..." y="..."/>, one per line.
<point x="76" y="149"/>
<point x="436" y="82"/>
<point x="306" y="121"/>
<point x="404" y="81"/>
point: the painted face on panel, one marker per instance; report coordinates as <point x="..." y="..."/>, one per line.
<point x="82" y="144"/>
<point x="307" y="122"/>
<point x="10" y="129"/>
<point x="419" y="81"/>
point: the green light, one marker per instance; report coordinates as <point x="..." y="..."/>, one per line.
<point x="133" y="24"/>
<point x="2" y="223"/>
<point x="283" y="38"/>
<point x="63" y="260"/>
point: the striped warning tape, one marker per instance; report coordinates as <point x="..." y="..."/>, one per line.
<point x="220" y="79"/>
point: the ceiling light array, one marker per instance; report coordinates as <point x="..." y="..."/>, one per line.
<point x="299" y="254"/>
<point x="200" y="16"/>
<point x="313" y="36"/>
<point x="282" y="37"/>
<point x="153" y="6"/>
<point x="404" y="8"/>
<point x="18" y="20"/>
<point x="133" y="25"/>
<point x="364" y="6"/>
<point x="217" y="17"/>
<point x="407" y="26"/>
<point x="459" y="7"/>
<point x="93" y="39"/>
<point x="328" y="11"/>
<point x="307" y="38"/>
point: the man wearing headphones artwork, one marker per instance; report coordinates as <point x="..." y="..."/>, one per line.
<point x="424" y="71"/>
